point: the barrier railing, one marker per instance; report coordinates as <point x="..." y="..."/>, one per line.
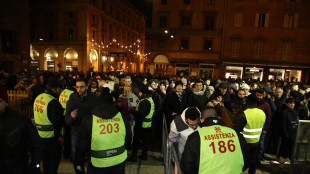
<point x="171" y="161"/>
<point x="18" y="100"/>
<point x="300" y="162"/>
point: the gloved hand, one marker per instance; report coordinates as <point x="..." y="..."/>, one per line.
<point x="34" y="168"/>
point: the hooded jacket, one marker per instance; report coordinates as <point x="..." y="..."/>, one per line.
<point x="179" y="132"/>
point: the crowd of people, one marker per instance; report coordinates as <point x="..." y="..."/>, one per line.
<point x="133" y="107"/>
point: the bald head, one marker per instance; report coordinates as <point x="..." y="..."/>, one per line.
<point x="208" y="112"/>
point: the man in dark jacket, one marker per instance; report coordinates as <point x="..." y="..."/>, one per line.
<point x="238" y="104"/>
<point x="79" y="105"/>
<point x="197" y="97"/>
<point x="17" y="134"/>
<point x="272" y="136"/>
<point x="175" y="103"/>
<point x="288" y="129"/>
<point x="104" y="112"/>
<point x="263" y="105"/>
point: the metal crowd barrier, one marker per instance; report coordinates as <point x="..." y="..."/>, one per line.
<point x="19" y="101"/>
<point x="171" y="162"/>
<point x="300" y="162"/>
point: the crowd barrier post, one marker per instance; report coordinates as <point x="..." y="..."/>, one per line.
<point x="171" y="162"/>
<point x="300" y="162"/>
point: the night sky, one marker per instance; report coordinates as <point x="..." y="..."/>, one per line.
<point x="145" y="6"/>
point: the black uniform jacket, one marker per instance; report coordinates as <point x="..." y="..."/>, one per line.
<point x="191" y="155"/>
<point x="17" y="135"/>
<point x="85" y="130"/>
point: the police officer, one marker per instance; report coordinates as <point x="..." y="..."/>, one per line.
<point x="251" y="123"/>
<point x="214" y="148"/>
<point x="63" y="99"/>
<point x="107" y="133"/>
<point x="48" y="116"/>
<point x="143" y="115"/>
<point x="18" y="135"/>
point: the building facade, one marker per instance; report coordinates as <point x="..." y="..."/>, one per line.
<point x="14" y="35"/>
<point x="186" y="35"/>
<point x="86" y="35"/>
<point x="268" y="39"/>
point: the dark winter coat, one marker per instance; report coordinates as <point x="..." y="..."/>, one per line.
<point x="198" y="99"/>
<point x="17" y="136"/>
<point x="173" y="104"/>
<point x="288" y="123"/>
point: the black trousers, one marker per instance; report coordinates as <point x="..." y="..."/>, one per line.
<point x="252" y="150"/>
<point x="286" y="149"/>
<point x="117" y="169"/>
<point x="141" y="134"/>
<point x="51" y="156"/>
<point x="67" y="141"/>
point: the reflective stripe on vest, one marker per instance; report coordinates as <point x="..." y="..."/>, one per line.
<point x="147" y="121"/>
<point x="44" y="126"/>
<point x="255" y="122"/>
<point x="64" y="97"/>
<point x="220" y="150"/>
<point x="107" y="141"/>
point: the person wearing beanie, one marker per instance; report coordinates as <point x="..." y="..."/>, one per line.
<point x="175" y="103"/>
<point x="202" y="153"/>
<point x="171" y="86"/>
<point x="217" y="99"/>
<point x="246" y="88"/>
<point x="210" y="90"/>
<point x="103" y="131"/>
<point x="251" y="123"/>
<point x="48" y="117"/>
<point x="143" y="115"/>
